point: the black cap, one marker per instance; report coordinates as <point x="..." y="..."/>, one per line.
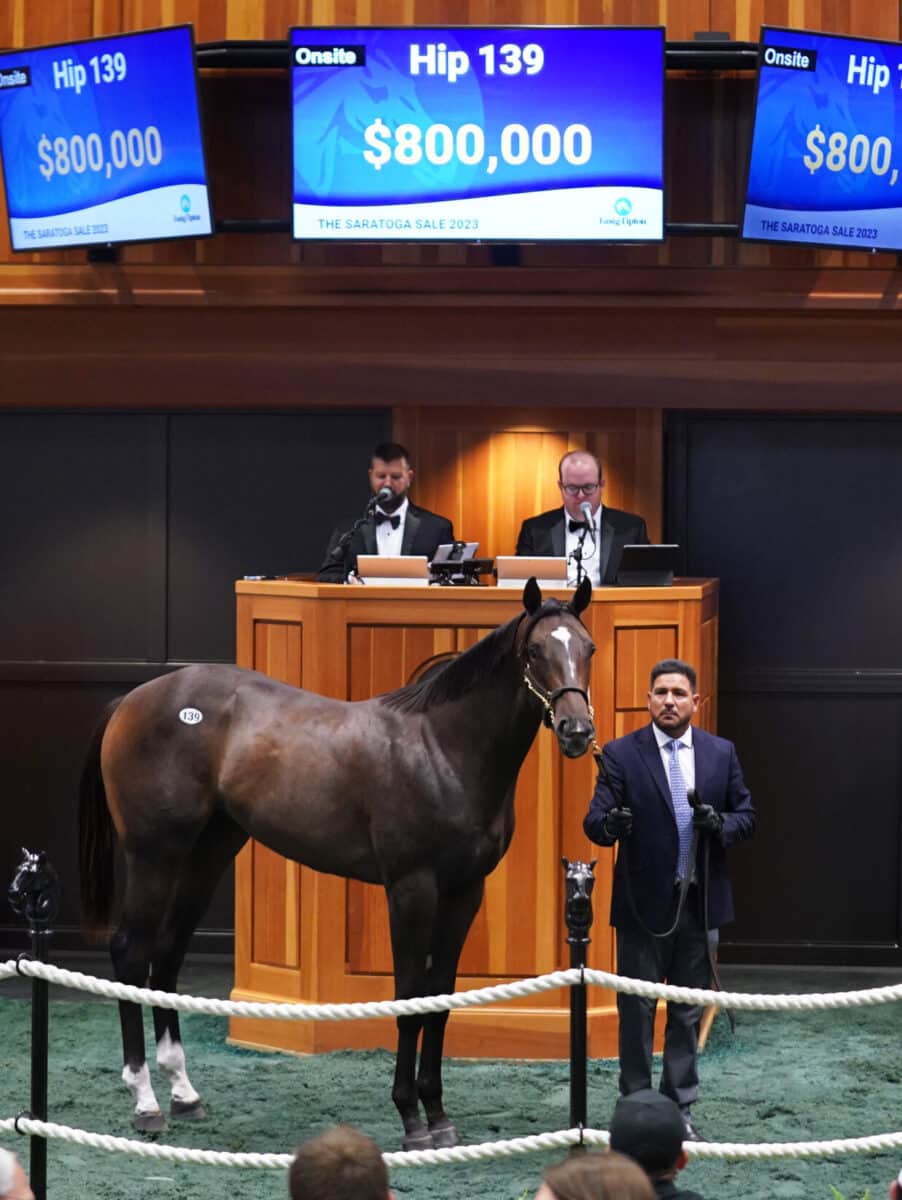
<point x="648" y="1126"/>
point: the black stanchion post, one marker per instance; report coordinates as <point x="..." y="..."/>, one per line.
<point x="34" y="895"/>
<point x="580" y="879"/>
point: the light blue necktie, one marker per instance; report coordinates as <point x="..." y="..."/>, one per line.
<point x="681" y="809"/>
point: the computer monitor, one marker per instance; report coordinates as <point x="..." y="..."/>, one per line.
<point x="647" y="566"/>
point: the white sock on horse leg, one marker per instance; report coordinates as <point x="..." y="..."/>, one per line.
<point x="171" y="1060"/>
<point x="138" y="1083"/>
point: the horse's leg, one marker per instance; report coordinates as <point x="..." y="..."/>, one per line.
<point x="148" y="889"/>
<point x="211" y="854"/>
<point x="412" y="904"/>
<point x="454" y="918"/>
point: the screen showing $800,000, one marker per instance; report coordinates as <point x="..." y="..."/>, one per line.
<point x="471" y="134"/>
<point x="824" y="167"/>
<point x="101" y="141"/>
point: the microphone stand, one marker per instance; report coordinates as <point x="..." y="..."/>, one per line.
<point x="577" y="556"/>
<point x="337" y="553"/>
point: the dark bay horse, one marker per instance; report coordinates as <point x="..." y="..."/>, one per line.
<point x="413" y="790"/>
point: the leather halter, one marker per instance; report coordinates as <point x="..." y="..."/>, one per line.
<point x="548" y="699"/>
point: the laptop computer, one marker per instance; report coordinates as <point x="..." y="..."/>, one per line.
<point x="513" y="570"/>
<point x="394" y="570"/>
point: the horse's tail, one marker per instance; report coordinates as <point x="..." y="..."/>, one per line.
<point x="96" y="838"/>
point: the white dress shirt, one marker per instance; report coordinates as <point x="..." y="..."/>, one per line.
<point x="591" y="549"/>
<point x="686" y="753"/>
<point x="388" y="540"/>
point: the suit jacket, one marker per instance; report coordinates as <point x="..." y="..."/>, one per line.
<point x="632" y="774"/>
<point x="424" y="532"/>
<point x="545" y="535"/>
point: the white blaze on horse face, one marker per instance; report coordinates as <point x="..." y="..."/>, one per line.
<point x="138" y="1083"/>
<point x="171" y="1060"/>
<point x="564" y="636"/>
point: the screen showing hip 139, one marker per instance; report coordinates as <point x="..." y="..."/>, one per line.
<point x="478" y="134"/>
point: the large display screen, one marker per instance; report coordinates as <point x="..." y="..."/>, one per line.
<point x="471" y="134"/>
<point x="101" y="141"/>
<point x="823" y="168"/>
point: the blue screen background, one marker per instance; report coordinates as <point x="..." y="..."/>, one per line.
<point x="608" y="79"/>
<point x="159" y="89"/>
<point x="791" y="103"/>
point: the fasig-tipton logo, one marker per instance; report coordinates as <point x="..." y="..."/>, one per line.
<point x="11" y="77"/>
<point x="330" y="56"/>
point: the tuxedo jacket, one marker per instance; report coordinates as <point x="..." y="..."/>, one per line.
<point x="424" y="532"/>
<point x="632" y="775"/>
<point x="545" y="535"/>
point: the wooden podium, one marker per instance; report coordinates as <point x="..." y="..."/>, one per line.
<point x="304" y="936"/>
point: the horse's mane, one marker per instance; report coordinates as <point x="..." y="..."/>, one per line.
<point x="469" y="669"/>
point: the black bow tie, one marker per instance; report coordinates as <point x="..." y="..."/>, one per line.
<point x="381" y="517"/>
<point x="576" y="526"/>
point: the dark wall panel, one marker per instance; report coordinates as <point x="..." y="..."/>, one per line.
<point x="82" y="541"/>
<point x="826" y="775"/>
<point x="798" y="517"/>
<point x="255" y="494"/>
<point x="122" y="538"/>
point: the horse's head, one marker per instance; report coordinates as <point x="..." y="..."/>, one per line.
<point x="557" y="652"/>
<point x="34" y="891"/>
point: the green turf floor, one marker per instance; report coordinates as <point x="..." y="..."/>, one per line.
<point x="781" y="1077"/>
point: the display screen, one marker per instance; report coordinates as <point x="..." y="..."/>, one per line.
<point x="101" y="141"/>
<point x="823" y="168"/>
<point x="471" y="134"/>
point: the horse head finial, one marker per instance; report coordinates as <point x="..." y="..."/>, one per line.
<point x="34" y="891"/>
<point x="580" y="879"/>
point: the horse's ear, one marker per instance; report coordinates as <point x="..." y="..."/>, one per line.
<point x="582" y="596"/>
<point x="532" y="596"/>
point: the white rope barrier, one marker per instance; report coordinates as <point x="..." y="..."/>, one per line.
<point x="559" y="1140"/>
<point x="278" y="1011"/>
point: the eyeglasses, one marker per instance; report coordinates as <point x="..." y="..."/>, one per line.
<point x="578" y="489"/>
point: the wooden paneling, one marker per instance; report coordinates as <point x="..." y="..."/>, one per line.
<point x="303" y="935"/>
<point x="278" y="651"/>
<point x="487" y="470"/>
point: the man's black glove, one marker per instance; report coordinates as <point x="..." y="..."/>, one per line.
<point x="618" y="823"/>
<point x="706" y="819"/>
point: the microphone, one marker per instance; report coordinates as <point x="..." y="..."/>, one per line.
<point x="586" y="509"/>
<point x="693" y="799"/>
<point x="384" y="493"/>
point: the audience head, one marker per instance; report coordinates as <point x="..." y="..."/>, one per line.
<point x="895" y="1188"/>
<point x="13" y="1180"/>
<point x="580" y="480"/>
<point x="648" y="1127"/>
<point x="595" y="1177"/>
<point x="340" y="1164"/>
<point x="390" y="467"/>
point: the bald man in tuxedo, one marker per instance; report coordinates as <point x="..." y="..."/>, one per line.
<point x="559" y="532"/>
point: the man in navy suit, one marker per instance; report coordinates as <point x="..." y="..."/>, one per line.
<point x="394" y="526"/>
<point x="559" y="532"/>
<point x="675" y="797"/>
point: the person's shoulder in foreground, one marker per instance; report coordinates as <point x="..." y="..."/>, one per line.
<point x="340" y="1164"/>
<point x="13" y="1180"/>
